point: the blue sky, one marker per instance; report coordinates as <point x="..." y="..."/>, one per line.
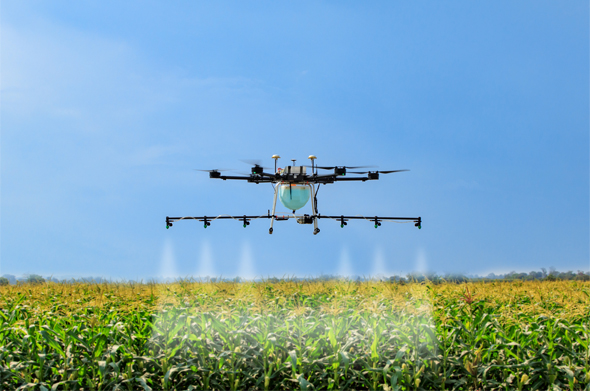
<point x="107" y="107"/>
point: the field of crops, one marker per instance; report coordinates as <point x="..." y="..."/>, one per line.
<point x="296" y="335"/>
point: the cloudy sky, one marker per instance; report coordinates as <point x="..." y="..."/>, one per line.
<point x="107" y="107"/>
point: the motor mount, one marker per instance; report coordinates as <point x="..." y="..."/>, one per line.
<point x="340" y="170"/>
<point x="257" y="170"/>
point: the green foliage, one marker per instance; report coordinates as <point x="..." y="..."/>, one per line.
<point x="4" y="281"/>
<point x="296" y="335"/>
<point x="551" y="277"/>
<point x="34" y="279"/>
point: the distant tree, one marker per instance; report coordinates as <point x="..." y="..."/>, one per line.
<point x="34" y="279"/>
<point x="551" y="277"/>
<point x="433" y="277"/>
<point x="569" y="275"/>
<point x="396" y="279"/>
<point x="544" y="271"/>
<point x="10" y="278"/>
<point x="457" y="278"/>
<point x="4" y="281"/>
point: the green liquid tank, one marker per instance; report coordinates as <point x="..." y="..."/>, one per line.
<point x="294" y="196"/>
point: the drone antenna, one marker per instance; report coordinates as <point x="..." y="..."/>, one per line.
<point x="312" y="158"/>
<point x="293" y="160"/>
<point x="276" y="157"/>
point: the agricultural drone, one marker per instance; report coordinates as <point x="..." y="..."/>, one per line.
<point x="294" y="187"/>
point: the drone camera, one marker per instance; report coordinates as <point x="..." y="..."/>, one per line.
<point x="343" y="222"/>
<point x="246" y="222"/>
<point x="377" y="223"/>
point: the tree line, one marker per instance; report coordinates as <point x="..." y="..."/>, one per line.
<point x="543" y="275"/>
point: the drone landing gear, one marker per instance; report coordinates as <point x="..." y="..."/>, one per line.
<point x="274" y="207"/>
<point x="314" y="208"/>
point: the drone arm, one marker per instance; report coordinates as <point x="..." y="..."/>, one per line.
<point x="343" y="178"/>
<point x="331" y="178"/>
<point x="255" y="179"/>
<point x="224" y="177"/>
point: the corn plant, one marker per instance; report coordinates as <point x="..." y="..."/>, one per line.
<point x="295" y="335"/>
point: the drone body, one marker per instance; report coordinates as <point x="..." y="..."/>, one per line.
<point x="294" y="187"/>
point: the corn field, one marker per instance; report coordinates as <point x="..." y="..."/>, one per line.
<point x="295" y="335"/>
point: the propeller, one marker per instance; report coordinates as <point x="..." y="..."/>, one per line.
<point x="254" y="162"/>
<point x="215" y="170"/>
<point x="215" y="173"/>
<point x="380" y="172"/>
<point x="257" y="169"/>
<point x="346" y="167"/>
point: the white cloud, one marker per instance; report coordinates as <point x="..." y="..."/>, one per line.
<point x="58" y="71"/>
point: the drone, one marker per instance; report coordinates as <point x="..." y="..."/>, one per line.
<point x="294" y="187"/>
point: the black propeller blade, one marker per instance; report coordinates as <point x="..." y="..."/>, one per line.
<point x="380" y="172"/>
<point x="389" y="172"/>
<point x="254" y="162"/>
<point x="346" y="167"/>
<point x="215" y="170"/>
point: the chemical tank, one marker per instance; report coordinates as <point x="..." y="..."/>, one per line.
<point x="294" y="196"/>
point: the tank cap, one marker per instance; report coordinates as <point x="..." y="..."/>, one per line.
<point x="276" y="157"/>
<point x="312" y="157"/>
